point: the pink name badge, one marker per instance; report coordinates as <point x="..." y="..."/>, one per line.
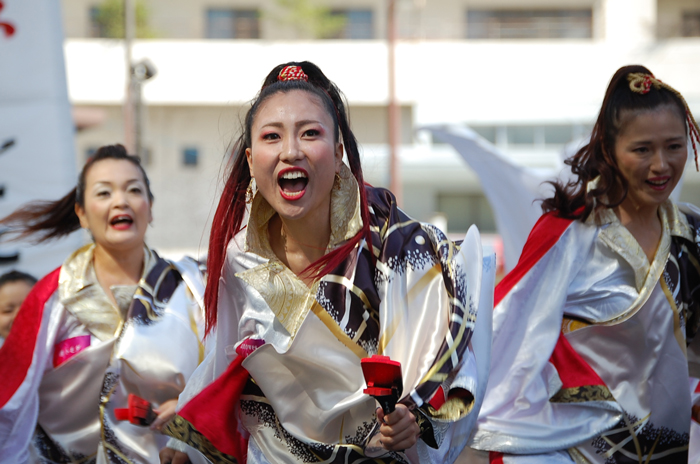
<point x="66" y="349"/>
<point x="249" y="345"/>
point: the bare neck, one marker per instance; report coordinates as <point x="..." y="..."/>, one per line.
<point x="643" y="223"/>
<point x="118" y="267"/>
<point x="299" y="243"/>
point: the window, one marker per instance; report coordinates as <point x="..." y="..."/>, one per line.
<point x="232" y="24"/>
<point x="521" y="135"/>
<point x="529" y="24"/>
<point x="691" y="24"/>
<point x="96" y="26"/>
<point x="190" y="156"/>
<point x="463" y="210"/>
<point x="487" y="132"/>
<point x="358" y="24"/>
<point x="532" y="136"/>
<point x="558" y="135"/>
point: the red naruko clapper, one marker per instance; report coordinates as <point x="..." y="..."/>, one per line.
<point x="139" y="412"/>
<point x="384" y="381"/>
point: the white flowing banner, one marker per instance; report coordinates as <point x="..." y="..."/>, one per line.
<point x="37" y="156"/>
<point x="512" y="190"/>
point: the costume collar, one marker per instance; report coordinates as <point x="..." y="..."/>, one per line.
<point x="620" y="240"/>
<point x="669" y="214"/>
<point x="287" y="295"/>
<point x="83" y="296"/>
<point x="345" y="217"/>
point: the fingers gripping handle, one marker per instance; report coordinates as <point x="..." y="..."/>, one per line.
<point x="384" y="381"/>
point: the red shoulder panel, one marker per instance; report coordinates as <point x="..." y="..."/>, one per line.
<point x="17" y="352"/>
<point x="571" y="367"/>
<point x="543" y="236"/>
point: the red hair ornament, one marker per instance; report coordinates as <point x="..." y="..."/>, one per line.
<point x="292" y="73"/>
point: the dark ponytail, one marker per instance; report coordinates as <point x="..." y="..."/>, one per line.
<point x="47" y="220"/>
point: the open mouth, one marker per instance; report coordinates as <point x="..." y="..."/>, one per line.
<point x="122" y="221"/>
<point x="658" y="183"/>
<point x="292" y="182"/>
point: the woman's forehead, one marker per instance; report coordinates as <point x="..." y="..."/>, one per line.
<point x="650" y="119"/>
<point x="112" y="170"/>
<point x="296" y="103"/>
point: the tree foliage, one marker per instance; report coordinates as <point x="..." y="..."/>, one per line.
<point x="109" y="19"/>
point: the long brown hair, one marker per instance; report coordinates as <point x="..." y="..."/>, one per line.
<point x="228" y="219"/>
<point x="597" y="158"/>
<point x="46" y="220"/>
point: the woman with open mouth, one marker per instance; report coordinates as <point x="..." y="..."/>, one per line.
<point x="596" y="327"/>
<point x="115" y="320"/>
<point x="312" y="271"/>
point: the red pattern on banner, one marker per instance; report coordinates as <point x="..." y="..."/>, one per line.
<point x="9" y="28"/>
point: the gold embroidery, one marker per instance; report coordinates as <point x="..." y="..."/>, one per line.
<point x="454" y="409"/>
<point x="82" y="295"/>
<point x="182" y="430"/>
<point x="582" y="394"/>
<point x="346" y="220"/>
<point x="286" y="295"/>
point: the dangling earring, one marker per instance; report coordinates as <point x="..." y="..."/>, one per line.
<point x="250" y="191"/>
<point x="336" y="181"/>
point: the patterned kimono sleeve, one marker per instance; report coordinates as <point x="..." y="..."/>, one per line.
<point x="528" y="407"/>
<point x="23" y="358"/>
<point x="690" y="278"/>
<point x="426" y="322"/>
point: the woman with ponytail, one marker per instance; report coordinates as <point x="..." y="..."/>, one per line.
<point x="311" y="270"/>
<point x="596" y="327"/>
<point x="115" y="320"/>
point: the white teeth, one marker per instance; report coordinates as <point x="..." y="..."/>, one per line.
<point x="294" y="175"/>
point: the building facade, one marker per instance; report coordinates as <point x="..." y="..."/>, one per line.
<point x="528" y="75"/>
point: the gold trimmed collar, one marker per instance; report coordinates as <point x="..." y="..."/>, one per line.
<point x="620" y="240"/>
<point x="287" y="295"/>
<point x="83" y="296"/>
<point x="345" y="217"/>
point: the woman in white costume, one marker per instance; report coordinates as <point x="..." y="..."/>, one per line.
<point x="115" y="319"/>
<point x="596" y="327"/>
<point x="312" y="270"/>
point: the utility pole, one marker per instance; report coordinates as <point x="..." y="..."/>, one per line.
<point x="129" y="102"/>
<point x="394" y="112"/>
